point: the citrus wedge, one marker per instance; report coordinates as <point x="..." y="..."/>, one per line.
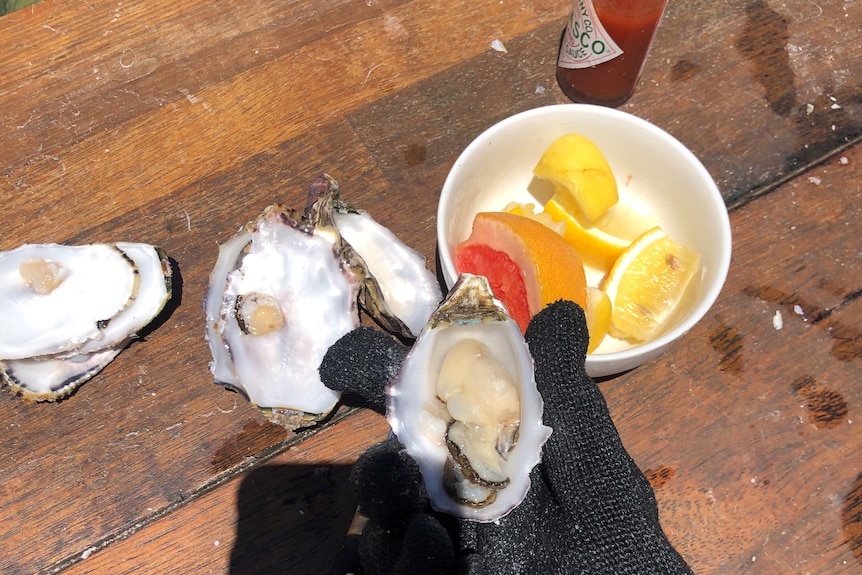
<point x="626" y="221"/>
<point x="602" y="243"/>
<point x="598" y="248"/>
<point x="529" y="211"/>
<point x="598" y="312"/>
<point x="646" y="283"/>
<point x="581" y="175"/>
<point x="527" y="265"/>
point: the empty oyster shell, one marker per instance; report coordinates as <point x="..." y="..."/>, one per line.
<point x="466" y="407"/>
<point x="398" y="291"/>
<point x="67" y="311"/>
<point x="287" y="286"/>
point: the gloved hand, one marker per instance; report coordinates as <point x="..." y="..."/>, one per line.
<point x="589" y="509"/>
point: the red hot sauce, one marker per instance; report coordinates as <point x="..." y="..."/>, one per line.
<point x="604" y="48"/>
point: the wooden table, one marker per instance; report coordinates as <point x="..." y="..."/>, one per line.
<point x="174" y="123"/>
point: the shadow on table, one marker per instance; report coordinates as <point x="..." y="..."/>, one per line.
<point x="292" y="519"/>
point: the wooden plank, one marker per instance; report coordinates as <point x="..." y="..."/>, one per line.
<point x="699" y="83"/>
<point x="124" y="166"/>
<point x="750" y="477"/>
<point x="749" y="430"/>
<point x="288" y="516"/>
<point x="152" y="427"/>
<point x="136" y="161"/>
<point x="176" y="124"/>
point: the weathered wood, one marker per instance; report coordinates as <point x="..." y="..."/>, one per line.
<point x="287" y="516"/>
<point x="746" y="432"/>
<point x="752" y="429"/>
<point x="174" y="124"/>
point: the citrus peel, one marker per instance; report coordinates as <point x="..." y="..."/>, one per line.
<point x="548" y="266"/>
<point x="598" y="312"/>
<point x="646" y="283"/>
<point x="581" y="175"/>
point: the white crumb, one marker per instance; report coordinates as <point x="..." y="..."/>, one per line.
<point x="777" y="320"/>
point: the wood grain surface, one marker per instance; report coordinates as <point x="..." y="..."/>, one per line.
<point x="175" y="123"/>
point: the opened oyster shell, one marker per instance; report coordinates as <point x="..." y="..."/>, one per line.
<point x="68" y="311"/>
<point x="398" y="290"/>
<point x="289" y="284"/>
<point x="466" y="407"/>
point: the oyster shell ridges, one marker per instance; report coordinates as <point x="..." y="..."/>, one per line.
<point x="92" y="302"/>
<point x="314" y="282"/>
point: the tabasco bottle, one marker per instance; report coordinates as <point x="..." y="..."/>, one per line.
<point x="604" y="48"/>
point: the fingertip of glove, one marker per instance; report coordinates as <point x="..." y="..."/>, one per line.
<point x="362" y="363"/>
<point x="562" y="323"/>
<point x="423" y="547"/>
<point x="558" y="338"/>
<point x="428" y="548"/>
<point x="389" y="484"/>
<point x="379" y="550"/>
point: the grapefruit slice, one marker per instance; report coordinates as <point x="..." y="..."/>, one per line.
<point x="527" y="264"/>
<point x="503" y="275"/>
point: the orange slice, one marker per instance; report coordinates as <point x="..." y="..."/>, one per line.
<point x="527" y="265"/>
<point x="646" y="283"/>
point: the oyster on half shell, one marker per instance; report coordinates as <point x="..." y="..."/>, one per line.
<point x="68" y="311"/>
<point x="466" y="407"/>
<point x="289" y="284"/>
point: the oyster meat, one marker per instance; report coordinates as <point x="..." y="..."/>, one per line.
<point x="68" y="311"/>
<point x="289" y="284"/>
<point x="466" y="407"/>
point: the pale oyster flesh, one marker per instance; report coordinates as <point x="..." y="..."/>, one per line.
<point x="287" y="286"/>
<point x="465" y="406"/>
<point x="68" y="311"/>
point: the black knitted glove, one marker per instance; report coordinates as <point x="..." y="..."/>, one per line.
<point x="589" y="509"/>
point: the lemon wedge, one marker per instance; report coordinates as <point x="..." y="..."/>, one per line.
<point x="602" y="243"/>
<point x="581" y="175"/>
<point x="598" y="312"/>
<point x="646" y="283"/>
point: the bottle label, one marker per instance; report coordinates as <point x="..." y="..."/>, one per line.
<point x="586" y="43"/>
